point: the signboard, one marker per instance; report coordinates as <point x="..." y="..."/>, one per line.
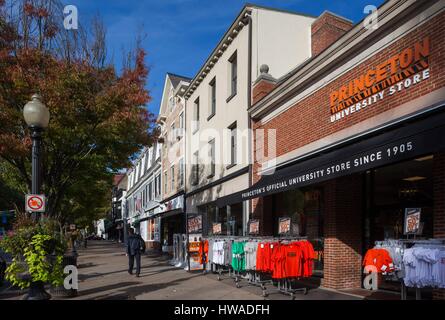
<point x="35" y="203"/>
<point x="194" y="224"/>
<point x="217" y="228"/>
<point x="254" y="227"/>
<point x="193" y="253"/>
<point x="284" y="226"/>
<point x="400" y="71"/>
<point x="412" y="220"/>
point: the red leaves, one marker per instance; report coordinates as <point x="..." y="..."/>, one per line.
<point x="37" y="12"/>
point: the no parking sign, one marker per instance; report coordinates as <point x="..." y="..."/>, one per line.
<point x="35" y="203"/>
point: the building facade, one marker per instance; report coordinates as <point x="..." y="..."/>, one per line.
<point x="218" y="139"/>
<point x="143" y="196"/>
<point x="171" y="122"/>
<point x="358" y="139"/>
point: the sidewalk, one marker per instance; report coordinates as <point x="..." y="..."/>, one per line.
<point x="103" y="276"/>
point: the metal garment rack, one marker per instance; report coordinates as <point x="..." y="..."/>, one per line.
<point x="285" y="285"/>
<point x="254" y="277"/>
<point x="410" y="242"/>
<point x="433" y="241"/>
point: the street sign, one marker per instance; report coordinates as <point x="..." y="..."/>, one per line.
<point x="35" y="202"/>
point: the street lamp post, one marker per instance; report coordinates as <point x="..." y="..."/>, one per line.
<point x="36" y="117"/>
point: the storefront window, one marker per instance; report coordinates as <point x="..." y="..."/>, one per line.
<point x="230" y="217"/>
<point x="393" y="189"/>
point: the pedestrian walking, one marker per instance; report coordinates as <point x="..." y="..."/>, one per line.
<point x="135" y="246"/>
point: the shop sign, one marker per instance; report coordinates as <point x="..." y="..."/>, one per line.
<point x="254" y="227"/>
<point x="284" y="226"/>
<point x="176" y="203"/>
<point x="217" y="228"/>
<point x="406" y="68"/>
<point x="412" y="220"/>
<point x="194" y="224"/>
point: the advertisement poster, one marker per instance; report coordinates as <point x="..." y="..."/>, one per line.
<point x="284" y="226"/>
<point x="194" y="224"/>
<point x="254" y="227"/>
<point x="194" y="256"/>
<point x="412" y="220"/>
<point x="217" y="228"/>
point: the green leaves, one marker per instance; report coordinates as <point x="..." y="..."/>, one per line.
<point x="31" y="248"/>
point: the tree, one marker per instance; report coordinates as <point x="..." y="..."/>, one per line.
<point x="98" y="117"/>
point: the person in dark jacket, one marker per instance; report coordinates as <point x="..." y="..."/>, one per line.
<point x="135" y="246"/>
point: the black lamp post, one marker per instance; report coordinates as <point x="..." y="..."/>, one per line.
<point x="37" y="118"/>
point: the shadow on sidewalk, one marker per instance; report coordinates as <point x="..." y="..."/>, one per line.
<point x="132" y="292"/>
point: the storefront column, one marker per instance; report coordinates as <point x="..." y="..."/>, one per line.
<point x="343" y="233"/>
<point x="439" y="207"/>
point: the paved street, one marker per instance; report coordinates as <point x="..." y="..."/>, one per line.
<point x="103" y="276"/>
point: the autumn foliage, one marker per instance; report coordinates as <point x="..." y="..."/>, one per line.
<point x="98" y="116"/>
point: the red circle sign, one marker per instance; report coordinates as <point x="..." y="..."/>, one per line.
<point x="35" y="203"/>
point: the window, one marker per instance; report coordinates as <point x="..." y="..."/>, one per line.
<point x="196" y="116"/>
<point x="165" y="182"/>
<point x="212" y="85"/>
<point x="181" y="123"/>
<point x="195" y="169"/>
<point x="181" y="172"/>
<point x="233" y="74"/>
<point x="212" y="158"/>
<point x="158" y="185"/>
<point x="233" y="142"/>
<point x="172" y="134"/>
<point x="172" y="177"/>
<point x="150" y="191"/>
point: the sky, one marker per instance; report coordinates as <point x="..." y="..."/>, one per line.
<point x="178" y="35"/>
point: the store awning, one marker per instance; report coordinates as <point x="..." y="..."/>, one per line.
<point x="410" y="139"/>
<point x="167" y="214"/>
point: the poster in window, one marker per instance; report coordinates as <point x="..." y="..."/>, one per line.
<point x="254" y="227"/>
<point x="284" y="226"/>
<point x="412" y="220"/>
<point x="217" y="228"/>
<point x="194" y="224"/>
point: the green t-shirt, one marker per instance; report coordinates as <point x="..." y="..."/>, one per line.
<point x="238" y="257"/>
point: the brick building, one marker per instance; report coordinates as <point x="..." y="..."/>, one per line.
<point x="352" y="137"/>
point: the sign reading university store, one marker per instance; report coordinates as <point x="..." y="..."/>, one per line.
<point x="399" y="72"/>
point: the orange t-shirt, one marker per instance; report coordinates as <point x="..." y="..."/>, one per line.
<point x="293" y="265"/>
<point x="263" y="257"/>
<point x="379" y="258"/>
<point x="204" y="250"/>
<point x="278" y="260"/>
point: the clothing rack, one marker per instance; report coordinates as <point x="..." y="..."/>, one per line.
<point x="254" y="277"/>
<point x="407" y="243"/>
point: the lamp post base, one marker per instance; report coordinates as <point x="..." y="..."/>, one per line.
<point x="37" y="292"/>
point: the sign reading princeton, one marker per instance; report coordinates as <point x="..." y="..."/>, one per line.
<point x="399" y="72"/>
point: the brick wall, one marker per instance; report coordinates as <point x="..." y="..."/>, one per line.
<point x="327" y="29"/>
<point x="343" y="232"/>
<point x="261" y="89"/>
